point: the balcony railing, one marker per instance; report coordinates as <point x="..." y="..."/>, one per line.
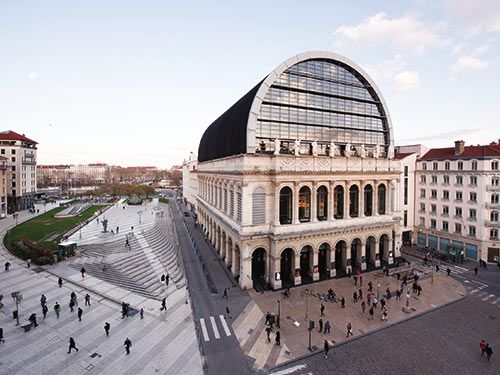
<point x="471" y="218"/>
<point x="493" y="187"/>
<point x="28" y="161"/>
<point x="494" y="224"/>
<point x="493" y="205"/>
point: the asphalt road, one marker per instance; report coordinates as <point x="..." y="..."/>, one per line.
<point x="444" y="341"/>
<point x="221" y="352"/>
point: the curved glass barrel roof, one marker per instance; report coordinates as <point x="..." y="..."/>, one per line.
<point x="319" y="97"/>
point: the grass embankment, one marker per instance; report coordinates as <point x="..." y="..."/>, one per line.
<point x="42" y="234"/>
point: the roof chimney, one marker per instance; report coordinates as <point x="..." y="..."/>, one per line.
<point x="459" y="147"/>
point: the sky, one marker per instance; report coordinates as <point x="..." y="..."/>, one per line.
<point x="138" y="82"/>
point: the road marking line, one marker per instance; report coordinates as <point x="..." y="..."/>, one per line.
<point x="214" y="327"/>
<point x="462" y="268"/>
<point x="204" y="330"/>
<point x="474" y="291"/>
<point x="224" y="325"/>
<point x="289" y="370"/>
<point x="487" y="298"/>
<point x="467" y="281"/>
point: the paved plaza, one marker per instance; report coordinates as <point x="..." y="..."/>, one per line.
<point x="161" y="342"/>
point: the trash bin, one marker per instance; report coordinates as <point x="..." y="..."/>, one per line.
<point x="14" y="314"/>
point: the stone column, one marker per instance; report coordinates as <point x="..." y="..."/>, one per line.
<point x="246" y="276"/>
<point x="275" y="267"/>
<point x="276" y="205"/>
<point x="363" y="256"/>
<point x="393" y="196"/>
<point x="361" y="200"/>
<point x="331" y="201"/>
<point x="314" y="204"/>
<point x="315" y="264"/>
<point x="388" y="195"/>
<point x="346" y="201"/>
<point x="377" y="262"/>
<point x="375" y="198"/>
<point x="298" y="281"/>
<point x="390" y="259"/>
<point x="295" y="204"/>
<point x="333" y="271"/>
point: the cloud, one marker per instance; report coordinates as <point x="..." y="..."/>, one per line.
<point x="468" y="64"/>
<point x="406" y="81"/>
<point x="33" y="75"/>
<point x="387" y="68"/>
<point x="474" y="16"/>
<point x="404" y="33"/>
<point x="444" y="135"/>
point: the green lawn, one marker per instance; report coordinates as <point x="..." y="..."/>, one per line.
<point x="47" y="230"/>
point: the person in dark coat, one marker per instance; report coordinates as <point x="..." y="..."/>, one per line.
<point x="107" y="326"/>
<point x="327" y="348"/>
<point x="80" y="312"/>
<point x="72" y="345"/>
<point x="127" y="345"/>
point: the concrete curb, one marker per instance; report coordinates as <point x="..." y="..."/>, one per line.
<point x="344" y="342"/>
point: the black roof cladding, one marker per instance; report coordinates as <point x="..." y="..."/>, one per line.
<point x="227" y="135"/>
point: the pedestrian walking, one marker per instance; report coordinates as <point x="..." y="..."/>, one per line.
<point x="355" y="280"/>
<point x="82" y="271"/>
<point x="384" y="314"/>
<point x="225" y="293"/>
<point x="45" y="310"/>
<point x="398" y="295"/>
<point x="370" y="314"/>
<point x="327" y="348"/>
<point x="7" y="266"/>
<point x="419" y="289"/>
<point x="342" y="302"/>
<point x="71" y="304"/>
<point x="327" y="327"/>
<point x="360" y="294"/>
<point x="162" y="278"/>
<point x="167" y="279"/>
<point x="488" y="351"/>
<point x="355" y="296"/>
<point x="322" y="310"/>
<point x="141" y="313"/>
<point x="448" y="271"/>
<point x="107" y="326"/>
<point x="320" y="323"/>
<point x="57" y="309"/>
<point x="80" y="312"/>
<point x="228" y="313"/>
<point x="163" y="304"/>
<point x="73" y="298"/>
<point x="363" y="307"/>
<point x="278" y="338"/>
<point x="1" y="335"/>
<point x="127" y="345"/>
<point x="72" y="345"/>
<point x="43" y="300"/>
<point x="59" y="282"/>
<point x="349" y="330"/>
<point x="388" y="294"/>
<point x="437" y="268"/>
<point x="360" y="280"/>
<point x="369" y="299"/>
<point x="482" y="346"/>
<point x="268" y="333"/>
<point x="475" y="270"/>
<point x="87" y="299"/>
<point x="370" y="286"/>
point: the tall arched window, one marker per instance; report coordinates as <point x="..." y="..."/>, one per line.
<point x="231" y="200"/>
<point x="368" y="209"/>
<point x="224" y="206"/>
<point x="304" y="204"/>
<point x="381" y="199"/>
<point x="258" y="206"/>
<point x="354" y="201"/>
<point x="286" y="202"/>
<point x="322" y="203"/>
<point x="239" y="204"/>
<point x="338" y="203"/>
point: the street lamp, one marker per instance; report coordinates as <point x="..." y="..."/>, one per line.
<point x="306" y="293"/>
<point x="378" y="290"/>
<point x="18" y="297"/>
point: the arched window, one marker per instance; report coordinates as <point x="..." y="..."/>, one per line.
<point x="286" y="201"/>
<point x="231" y="200"/>
<point x="304" y="204"/>
<point x="239" y="204"/>
<point x="322" y="203"/>
<point x="224" y="206"/>
<point x="258" y="206"/>
<point x="338" y="204"/>
<point x="381" y="199"/>
<point x="368" y="209"/>
<point x="354" y="201"/>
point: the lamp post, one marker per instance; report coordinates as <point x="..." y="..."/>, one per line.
<point x="306" y="293"/>
<point x="18" y="297"/>
<point x="378" y="290"/>
<point x="279" y="315"/>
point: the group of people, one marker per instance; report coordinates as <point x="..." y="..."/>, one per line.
<point x="270" y="321"/>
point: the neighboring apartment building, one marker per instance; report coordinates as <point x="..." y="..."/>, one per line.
<point x="457" y="202"/>
<point x="190" y="180"/>
<point x="20" y="152"/>
<point x="3" y="186"/>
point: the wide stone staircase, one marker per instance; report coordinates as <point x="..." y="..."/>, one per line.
<point x="161" y="241"/>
